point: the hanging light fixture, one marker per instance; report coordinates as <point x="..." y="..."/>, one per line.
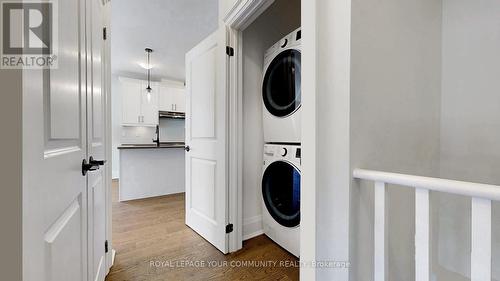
<point x="148" y="54"/>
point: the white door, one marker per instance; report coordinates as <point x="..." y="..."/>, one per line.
<point x="96" y="143"/>
<point x="131" y="102"/>
<point x="54" y="145"/>
<point x="149" y="104"/>
<point x="206" y="192"/>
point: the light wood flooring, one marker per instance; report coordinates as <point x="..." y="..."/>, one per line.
<point x="153" y="230"/>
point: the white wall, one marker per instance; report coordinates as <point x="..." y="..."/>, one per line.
<point x="277" y="21"/>
<point x="424" y="100"/>
<point x="395" y="113"/>
<point x="470" y="126"/>
<point x="332" y="175"/>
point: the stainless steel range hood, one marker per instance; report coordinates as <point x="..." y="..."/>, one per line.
<point x="171" y="114"/>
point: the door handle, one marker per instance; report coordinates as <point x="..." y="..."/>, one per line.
<point x="92" y="165"/>
<point x="186" y="148"/>
<point x="88" y="167"/>
<point x="92" y="161"/>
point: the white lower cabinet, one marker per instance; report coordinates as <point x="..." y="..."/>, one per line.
<point x="139" y="108"/>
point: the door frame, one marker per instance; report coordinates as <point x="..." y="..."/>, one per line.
<point x="110" y="255"/>
<point x="236" y="20"/>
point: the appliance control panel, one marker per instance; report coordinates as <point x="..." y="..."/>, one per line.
<point x="284" y="151"/>
<point x="288" y="41"/>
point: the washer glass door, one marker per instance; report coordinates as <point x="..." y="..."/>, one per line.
<point x="281" y="193"/>
<point x="281" y="87"/>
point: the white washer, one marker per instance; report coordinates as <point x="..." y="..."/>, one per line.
<point x="281" y="90"/>
<point x="281" y="195"/>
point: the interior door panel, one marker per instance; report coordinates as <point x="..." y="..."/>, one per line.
<point x="63" y="123"/>
<point x="206" y="190"/>
<point x="55" y="143"/>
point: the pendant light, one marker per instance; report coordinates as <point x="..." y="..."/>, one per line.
<point x="148" y="88"/>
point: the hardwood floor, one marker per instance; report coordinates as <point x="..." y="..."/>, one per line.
<point x="153" y="243"/>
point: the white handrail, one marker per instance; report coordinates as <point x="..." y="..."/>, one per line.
<point x="482" y="195"/>
<point x="479" y="190"/>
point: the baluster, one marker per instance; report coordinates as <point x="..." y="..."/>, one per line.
<point x="481" y="240"/>
<point x="422" y="234"/>
<point x="379" y="233"/>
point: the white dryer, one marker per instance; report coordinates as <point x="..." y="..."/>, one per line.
<point x="281" y="195"/>
<point x="281" y="90"/>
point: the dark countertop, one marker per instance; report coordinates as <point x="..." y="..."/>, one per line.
<point x="152" y="145"/>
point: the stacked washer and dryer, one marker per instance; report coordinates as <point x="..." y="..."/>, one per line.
<point x="281" y="97"/>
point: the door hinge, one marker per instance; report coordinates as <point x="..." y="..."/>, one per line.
<point x="229" y="228"/>
<point x="230" y="51"/>
<point x="104" y="33"/>
<point x="106" y="246"/>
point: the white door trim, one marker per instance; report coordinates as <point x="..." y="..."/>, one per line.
<point x="308" y="167"/>
<point x="244" y="12"/>
<point x="240" y="16"/>
<point x="108" y="145"/>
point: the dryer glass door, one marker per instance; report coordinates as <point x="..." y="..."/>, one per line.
<point x="281" y="86"/>
<point x="281" y="193"/>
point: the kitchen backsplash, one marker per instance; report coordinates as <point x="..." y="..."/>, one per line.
<point x="170" y="130"/>
<point x="137" y="134"/>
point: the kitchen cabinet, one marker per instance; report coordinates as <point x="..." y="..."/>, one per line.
<point x="165" y="99"/>
<point x="149" y="104"/>
<point x="172" y="98"/>
<point x="179" y="100"/>
<point x="138" y="107"/>
<point x="131" y="100"/>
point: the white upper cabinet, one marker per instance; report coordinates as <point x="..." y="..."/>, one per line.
<point x="165" y="99"/>
<point x="172" y="97"/>
<point x="131" y="100"/>
<point x="138" y="107"/>
<point x="149" y="104"/>
<point x="179" y="98"/>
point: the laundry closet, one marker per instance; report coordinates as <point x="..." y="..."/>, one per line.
<point x="271" y="99"/>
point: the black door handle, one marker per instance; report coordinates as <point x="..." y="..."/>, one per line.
<point x="186" y="148"/>
<point x="92" y="165"/>
<point x="92" y="161"/>
<point x="88" y="167"/>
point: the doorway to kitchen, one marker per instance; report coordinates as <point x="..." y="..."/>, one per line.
<point x="168" y="161"/>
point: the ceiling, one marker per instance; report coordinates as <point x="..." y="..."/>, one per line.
<point x="170" y="27"/>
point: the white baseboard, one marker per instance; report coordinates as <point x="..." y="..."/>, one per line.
<point x="252" y="227"/>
